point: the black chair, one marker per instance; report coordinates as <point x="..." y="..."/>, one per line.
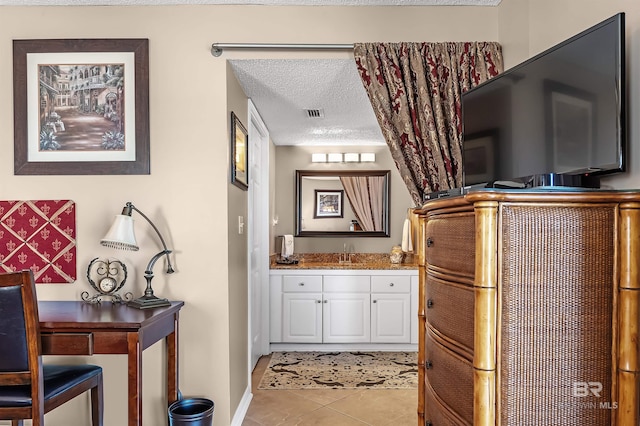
<point x="29" y="389"/>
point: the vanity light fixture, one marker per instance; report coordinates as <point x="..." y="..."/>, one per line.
<point x="347" y="157"/>
<point x="319" y="157"/>
<point x="334" y="157"/>
<point x="368" y="157"/>
<point x="121" y="236"/>
<point x="351" y="157"/>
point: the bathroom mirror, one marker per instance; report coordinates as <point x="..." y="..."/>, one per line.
<point x="342" y="203"/>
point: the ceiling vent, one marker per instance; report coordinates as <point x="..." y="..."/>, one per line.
<point x="314" y="113"/>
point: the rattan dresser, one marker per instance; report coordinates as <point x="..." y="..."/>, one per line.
<point x="529" y="309"/>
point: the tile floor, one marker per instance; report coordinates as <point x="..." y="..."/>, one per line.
<point x="335" y="407"/>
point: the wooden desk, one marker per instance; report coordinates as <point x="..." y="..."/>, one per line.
<point x="78" y="328"/>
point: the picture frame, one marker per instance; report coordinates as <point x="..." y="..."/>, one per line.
<point x="570" y="125"/>
<point x="479" y="157"/>
<point x="239" y="153"/>
<point x="328" y="204"/>
<point x="81" y="106"/>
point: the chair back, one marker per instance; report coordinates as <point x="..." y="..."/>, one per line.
<point x="20" y="348"/>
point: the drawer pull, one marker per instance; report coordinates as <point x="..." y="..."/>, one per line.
<point x="301" y="284"/>
<point x="429" y="365"/>
<point x="429" y="242"/>
<point x="429" y="303"/>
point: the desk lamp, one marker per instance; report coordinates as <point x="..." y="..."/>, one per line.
<point x="121" y="236"/>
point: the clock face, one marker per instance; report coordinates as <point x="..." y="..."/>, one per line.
<point x="107" y="284"/>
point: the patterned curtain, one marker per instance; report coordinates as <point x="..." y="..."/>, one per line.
<point x="366" y="196"/>
<point x="415" y="91"/>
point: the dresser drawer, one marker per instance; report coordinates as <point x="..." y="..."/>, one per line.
<point x="438" y="414"/>
<point x="391" y="284"/>
<point x="450" y="376"/>
<point x="450" y="243"/>
<point x="450" y="310"/>
<point x="302" y="283"/>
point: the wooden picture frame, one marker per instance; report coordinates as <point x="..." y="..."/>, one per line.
<point x="81" y="106"/>
<point x="239" y="153"/>
<point x="328" y="204"/>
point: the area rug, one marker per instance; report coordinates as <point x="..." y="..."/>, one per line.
<point x="341" y="370"/>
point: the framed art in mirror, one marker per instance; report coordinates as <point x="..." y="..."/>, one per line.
<point x="81" y="106"/>
<point x="328" y="203"/>
<point x="239" y="153"/>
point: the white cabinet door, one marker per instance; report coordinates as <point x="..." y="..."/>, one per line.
<point x="302" y="317"/>
<point x="346" y="318"/>
<point x="390" y="318"/>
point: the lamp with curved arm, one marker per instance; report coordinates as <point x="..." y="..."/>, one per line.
<point x="121" y="236"/>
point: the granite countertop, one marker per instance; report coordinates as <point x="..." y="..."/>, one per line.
<point x="370" y="261"/>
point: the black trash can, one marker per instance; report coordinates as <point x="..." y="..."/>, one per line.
<point x="191" y="412"/>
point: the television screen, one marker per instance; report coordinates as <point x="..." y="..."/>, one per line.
<point x="560" y="112"/>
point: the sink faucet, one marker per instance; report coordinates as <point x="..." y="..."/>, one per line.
<point x="345" y="257"/>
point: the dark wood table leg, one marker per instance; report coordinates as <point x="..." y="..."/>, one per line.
<point x="135" y="379"/>
<point x="172" y="364"/>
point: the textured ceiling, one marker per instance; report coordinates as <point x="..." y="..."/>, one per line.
<point x="263" y="2"/>
<point x="282" y="90"/>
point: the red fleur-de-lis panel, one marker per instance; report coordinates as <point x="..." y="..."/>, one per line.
<point x="41" y="236"/>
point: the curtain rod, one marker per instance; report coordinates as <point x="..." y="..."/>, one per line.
<point x="217" y="48"/>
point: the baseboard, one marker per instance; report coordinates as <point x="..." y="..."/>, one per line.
<point x="335" y="347"/>
<point x="243" y="407"/>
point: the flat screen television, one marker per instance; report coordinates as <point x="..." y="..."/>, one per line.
<point x="557" y="118"/>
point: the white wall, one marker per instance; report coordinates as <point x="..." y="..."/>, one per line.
<point x="187" y="193"/>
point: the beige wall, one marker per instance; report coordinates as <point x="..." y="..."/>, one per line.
<point x="237" y="251"/>
<point x="187" y="193"/>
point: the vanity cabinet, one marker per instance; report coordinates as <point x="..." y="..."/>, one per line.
<point x="362" y="307"/>
<point x="391" y="309"/>
<point x="302" y="309"/>
<point x="346" y="309"/>
<point x="529" y="306"/>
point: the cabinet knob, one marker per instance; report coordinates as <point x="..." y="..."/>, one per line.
<point x="429" y="365"/>
<point x="375" y="301"/>
<point x="391" y="284"/>
<point x="429" y="242"/>
<point x="318" y="301"/>
<point x="325" y="301"/>
<point x="429" y="303"/>
<point x="428" y="423"/>
<point x="301" y="284"/>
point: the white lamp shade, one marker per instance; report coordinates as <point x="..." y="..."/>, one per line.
<point x="121" y="235"/>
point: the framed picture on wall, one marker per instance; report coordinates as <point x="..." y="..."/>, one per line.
<point x="81" y="106"/>
<point x="239" y="154"/>
<point x="328" y="204"/>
